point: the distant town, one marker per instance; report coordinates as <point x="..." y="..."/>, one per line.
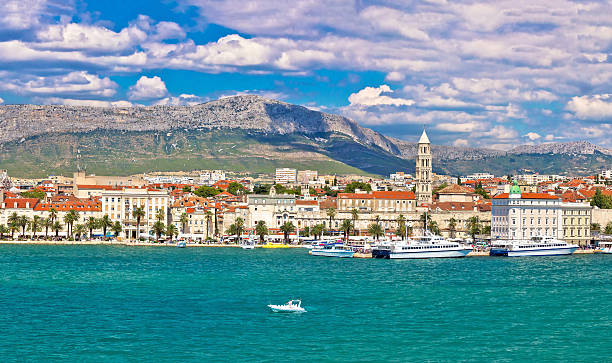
<point x="215" y="205"/>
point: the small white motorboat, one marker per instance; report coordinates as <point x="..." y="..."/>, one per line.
<point x="181" y="244"/>
<point x="292" y="306"/>
<point x="247" y="246"/>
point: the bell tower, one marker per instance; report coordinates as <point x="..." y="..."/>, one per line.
<point x="423" y="170"/>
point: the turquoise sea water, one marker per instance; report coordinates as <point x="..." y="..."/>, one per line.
<point x="103" y="303"/>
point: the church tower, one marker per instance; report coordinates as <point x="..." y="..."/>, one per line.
<point x="423" y="170"/>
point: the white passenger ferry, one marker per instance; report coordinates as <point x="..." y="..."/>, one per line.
<point x="537" y="246"/>
<point x="332" y="250"/>
<point x="427" y="246"/>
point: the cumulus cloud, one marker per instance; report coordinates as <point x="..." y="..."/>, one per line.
<point x="181" y="100"/>
<point x="92" y="103"/>
<point x="591" y="107"/>
<point x="148" y="88"/>
<point x="373" y="96"/>
<point x="533" y="136"/>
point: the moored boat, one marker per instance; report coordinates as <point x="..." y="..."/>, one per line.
<point x="332" y="250"/>
<point x="427" y="246"/>
<point x="604" y="247"/>
<point x="537" y="246"/>
<point x="292" y="306"/>
<point x="181" y="244"/>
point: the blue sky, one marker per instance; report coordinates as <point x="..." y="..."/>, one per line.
<point x="494" y="74"/>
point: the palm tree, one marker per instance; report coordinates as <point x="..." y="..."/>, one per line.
<point x="261" y="230"/>
<point x="47" y="223"/>
<point x="56" y="227"/>
<point x="52" y="214"/>
<point x="452" y="226"/>
<point x="375" y="230"/>
<point x="354" y="216"/>
<point x="208" y="215"/>
<point x="71" y="217"/>
<point x="401" y="226"/>
<point x="35" y="225"/>
<point x="316" y="230"/>
<point x="433" y="227"/>
<point x="171" y="231"/>
<point x="331" y="213"/>
<point x="13" y="223"/>
<point x="238" y="228"/>
<point x="105" y="223"/>
<point x="116" y="228"/>
<point x="91" y="224"/>
<point x="159" y="228"/>
<point x="423" y="219"/>
<point x="138" y="213"/>
<point x="79" y="231"/>
<point x="346" y="228"/>
<point x="160" y="216"/>
<point x="23" y="223"/>
<point x="287" y="228"/>
<point x="184" y="219"/>
<point x="473" y="226"/>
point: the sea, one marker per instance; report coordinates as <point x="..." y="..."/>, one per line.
<point x="167" y="304"/>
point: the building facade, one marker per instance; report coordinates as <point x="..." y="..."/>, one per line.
<point x="423" y="171"/>
<point x="285" y="176"/>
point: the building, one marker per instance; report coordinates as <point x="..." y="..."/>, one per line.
<point x="521" y="216"/>
<point x="210" y="177"/>
<point x="273" y="209"/>
<point x="423" y="171"/>
<point x="306" y="176"/>
<point x="456" y="193"/>
<point x="285" y="176"/>
<point x="120" y="204"/>
<point x="386" y="206"/>
<point x="115" y="181"/>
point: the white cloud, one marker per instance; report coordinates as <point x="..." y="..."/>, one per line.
<point x="92" y="103"/>
<point x="591" y="107"/>
<point x="461" y="143"/>
<point x="74" y="83"/>
<point x="1" y="101"/>
<point x="394" y="77"/>
<point x="532" y="136"/>
<point x="372" y="96"/>
<point x="460" y="127"/>
<point x="148" y="88"/>
<point x="88" y="37"/>
<point x="182" y="100"/>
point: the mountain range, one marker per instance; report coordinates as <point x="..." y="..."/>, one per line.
<point x="244" y="133"/>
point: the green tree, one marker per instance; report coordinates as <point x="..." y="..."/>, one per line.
<point x="481" y="191"/>
<point x="262" y="189"/>
<point x="375" y="230"/>
<point x="34" y="193"/>
<point x="595" y="227"/>
<point x="261" y="230"/>
<point x="69" y="218"/>
<point x="318" y="230"/>
<point x="236" y="188"/>
<point x="287" y="228"/>
<point x="474" y="227"/>
<point x="601" y="201"/>
<point x="13" y="223"/>
<point x="116" y="228"/>
<point x="351" y="187"/>
<point x="486" y="230"/>
<point x="57" y="225"/>
<point x="79" y="231"/>
<point x="423" y="219"/>
<point x="138" y="213"/>
<point x="608" y="229"/>
<point x="206" y="191"/>
<point x="433" y="227"/>
<point x="346" y="228"/>
<point x="171" y="231"/>
<point x="452" y="227"/>
<point x="160" y="215"/>
<point x="47" y="223"/>
<point x="187" y="189"/>
<point x="354" y="217"/>
<point x="159" y="228"/>
<point x="105" y="223"/>
<point x="183" y="220"/>
<point x="331" y="213"/>
<point x="35" y="225"/>
<point x="3" y="230"/>
<point x="53" y="214"/>
<point x="238" y="228"/>
<point x="91" y="224"/>
<point x="23" y="223"/>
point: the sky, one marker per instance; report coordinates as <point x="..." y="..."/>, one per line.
<point x="480" y="74"/>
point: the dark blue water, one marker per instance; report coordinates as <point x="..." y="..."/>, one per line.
<point x="103" y="303"/>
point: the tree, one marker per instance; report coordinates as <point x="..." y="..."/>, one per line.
<point x="481" y="191"/>
<point x="171" y="231"/>
<point x="595" y="227"/>
<point x="34" y="193"/>
<point x="206" y="191"/>
<point x="91" y="224"/>
<point x="159" y="228"/>
<point x="160" y="215"/>
<point x="375" y="230"/>
<point x="287" y="228"/>
<point x="354" y="217"/>
<point x="261" y="230"/>
<point x="608" y="229"/>
<point x="53" y="214"/>
<point x="116" y="228"/>
<point x="331" y="213"/>
<point x="79" y="231"/>
<point x="486" y="230"/>
<point x="305" y="232"/>
<point x="138" y="213"/>
<point x="423" y="219"/>
<point x="458" y="180"/>
<point x="452" y="226"/>
<point x="236" y="188"/>
<point x="184" y="219"/>
<point x="23" y="223"/>
<point x="237" y="228"/>
<point x="601" y="201"/>
<point x="187" y="189"/>
<point x="3" y="230"/>
<point x="346" y="228"/>
<point x="401" y="226"/>
<point x="57" y="225"/>
<point x="318" y="230"/>
<point x="473" y="226"/>
<point x="35" y="225"/>
<point x="433" y="227"/>
<point x="105" y="223"/>
<point x="208" y="215"/>
<point x="47" y="223"/>
<point x="69" y="218"/>
<point x="262" y="189"/>
<point x="13" y="223"/>
<point x="351" y="187"/>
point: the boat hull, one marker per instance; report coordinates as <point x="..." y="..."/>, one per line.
<point x="542" y="252"/>
<point x="276" y="245"/>
<point x="329" y="253"/>
<point x="429" y="254"/>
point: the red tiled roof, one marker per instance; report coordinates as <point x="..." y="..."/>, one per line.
<point x="21" y="203"/>
<point x="456" y="189"/>
<point x="528" y="196"/>
<point x="378" y="195"/>
<point x="306" y="202"/>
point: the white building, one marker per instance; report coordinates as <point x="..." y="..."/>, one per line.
<point x="210" y="177"/>
<point x="120" y="205"/>
<point x="274" y="210"/>
<point x="286" y="176"/>
<point x="306" y="176"/>
<point x="423" y="172"/>
<point x="606" y="174"/>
